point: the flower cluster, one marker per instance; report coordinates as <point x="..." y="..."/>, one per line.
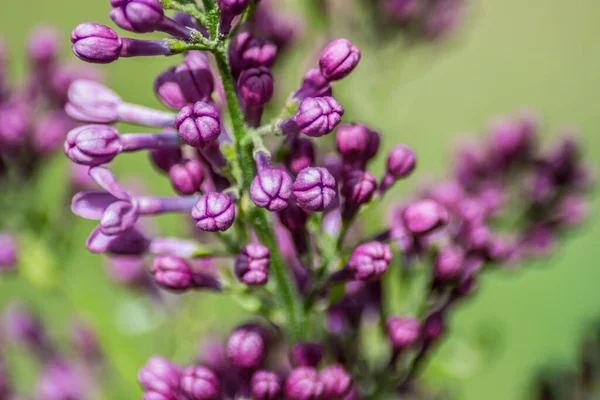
<point x="282" y="214"/>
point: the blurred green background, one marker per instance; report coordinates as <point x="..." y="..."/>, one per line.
<point x="509" y="55"/>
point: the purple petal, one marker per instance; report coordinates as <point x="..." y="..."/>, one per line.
<point x="92" y="203"/>
<point x="98" y="242"/>
<point x="107" y="181"/>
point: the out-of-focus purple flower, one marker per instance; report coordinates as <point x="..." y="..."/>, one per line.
<point x="265" y="385"/>
<point x="302" y="155"/>
<point x="433" y="327"/>
<point x="572" y="210"/>
<point x="172" y="273"/>
<point x="27" y="330"/>
<point x="159" y="378"/>
<point x="250" y="52"/>
<point x="246" y="347"/>
<point x="314" y="85"/>
<point x="126" y="270"/>
<point x="229" y="10"/>
<point x="187" y="176"/>
<point x="43" y="46"/>
<point x="337" y="383"/>
<point x="199" y="124"/>
<point x="539" y="241"/>
<point x="314" y="189"/>
<point x="252" y="265"/>
<point x="305" y="354"/>
<point x="442" y="17"/>
<point x="318" y="116"/>
<point x="357" y="144"/>
<point x="8" y="252"/>
<point x="424" y="216"/>
<point x="96" y="43"/>
<point x="15" y="117"/>
<point x="188" y="83"/>
<point x="50" y="132"/>
<point x="403" y="332"/>
<point x="338" y="59"/>
<point x="214" y="212"/>
<point x="304" y="383"/>
<point x="449" y="263"/>
<point x="369" y="261"/>
<point x="272" y="25"/>
<point x="164" y="159"/>
<point x="85" y="341"/>
<point x="59" y="381"/>
<point x="402" y="10"/>
<point x="271" y="189"/>
<point x="129" y="243"/>
<point x="200" y="383"/>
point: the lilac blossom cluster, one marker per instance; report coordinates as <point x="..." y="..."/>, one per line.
<point x="283" y="214"/>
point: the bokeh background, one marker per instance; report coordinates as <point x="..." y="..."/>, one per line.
<point x="508" y="55"/>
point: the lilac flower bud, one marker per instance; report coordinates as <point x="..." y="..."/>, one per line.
<point x="359" y="187"/>
<point x="449" y="263"/>
<point x="186" y="177"/>
<point x="50" y="132"/>
<point x="356" y="143"/>
<point x="26" y="329"/>
<point x="369" y="261"/>
<point x="337" y="383"/>
<point x="172" y="273"/>
<point x="302" y="155"/>
<point x="265" y="385"/>
<point x="315" y="189"/>
<point x="198" y="124"/>
<point x="93" y="144"/>
<point x="246" y="347"/>
<point x="271" y="189"/>
<point x="403" y="332"/>
<point x="401" y="163"/>
<point x="251" y="52"/>
<point x="85" y="341"/>
<point x="252" y="265"/>
<point x="188" y="83"/>
<point x="96" y="43"/>
<point x="200" y="383"/>
<point x="255" y="86"/>
<point x="434" y="327"/>
<point x="159" y="378"/>
<point x="304" y="383"/>
<point x="229" y="10"/>
<point x="93" y="102"/>
<point x="293" y="218"/>
<point x="118" y="217"/>
<point x="43" y="46"/>
<point x="140" y="16"/>
<point x="338" y="59"/>
<point x="214" y="212"/>
<point x="513" y="138"/>
<point x="318" y="116"/>
<point x="314" y="85"/>
<point x="8" y="252"/>
<point x="165" y="159"/>
<point x="305" y="354"/>
<point x="58" y="381"/>
<point x="424" y="216"/>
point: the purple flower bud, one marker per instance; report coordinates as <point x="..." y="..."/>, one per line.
<point x="252" y="265"/>
<point x="449" y="263"/>
<point x="337" y="383"/>
<point x="358" y="187"/>
<point x="246" y="347"/>
<point x="338" y="59"/>
<point x="26" y="329"/>
<point x="318" y="116"/>
<point x="43" y="46"/>
<point x="15" y="117"/>
<point x="126" y="270"/>
<point x="302" y="155"/>
<point x="58" y="381"/>
<point x="140" y="16"/>
<point x="186" y="177"/>
<point x="50" y="132"/>
<point x="265" y="385"/>
<point x="85" y="341"/>
<point x="164" y="159"/>
<point x="305" y="354"/>
<point x="293" y="218"/>
<point x="314" y="85"/>
<point x="251" y="52"/>
<point x="8" y="252"/>
<point x="255" y="86"/>
<point x="93" y="102"/>
<point x="403" y="332"/>
<point x="424" y="216"/>
<point x="401" y="11"/>
<point x="200" y="383"/>
<point x="356" y="143"/>
<point x="369" y="261"/>
<point x="93" y="144"/>
<point x="229" y="10"/>
<point x="159" y="378"/>
<point x="303" y="383"/>
<point x="214" y="212"/>
<point x="172" y="273"/>
<point x="198" y="124"/>
<point x="513" y="138"/>
<point x="96" y="43"/>
<point x="188" y="83"/>
<point x="118" y="217"/>
<point x="271" y="189"/>
<point x="401" y="163"/>
<point x="434" y="327"/>
<point x="442" y="17"/>
<point x="315" y="189"/>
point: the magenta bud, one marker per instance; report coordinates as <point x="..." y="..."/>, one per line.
<point x="338" y="59"/>
<point x="265" y="385"/>
<point x="358" y="187"/>
<point x="433" y="327"/>
<point x="57" y="381"/>
<point x="93" y="145"/>
<point x="8" y="252"/>
<point x="424" y="216"/>
<point x="304" y="383"/>
<point x="172" y="273"/>
<point x="514" y="138"/>
<point x="302" y="155"/>
<point x="246" y="347"/>
<point x="96" y="43"/>
<point x="449" y="263"/>
<point x="293" y="218"/>
<point x="229" y="10"/>
<point x="43" y="46"/>
<point x="401" y="161"/>
<point x="271" y="189"/>
<point x="92" y="102"/>
<point x="164" y="159"/>
<point x="198" y="124"/>
<point x="200" y="383"/>
<point x="305" y="354"/>
<point x="214" y="212"/>
<point x="188" y="83"/>
<point x="118" y="217"/>
<point x="252" y="265"/>
<point x="403" y="332"/>
<point x="255" y="86"/>
<point x="186" y="177"/>
<point x="337" y="382"/>
<point x="251" y="52"/>
<point x="314" y="85"/>
<point x="315" y="189"/>
<point x="356" y="143"/>
<point x="140" y="16"/>
<point x="369" y="261"/>
<point x="318" y="116"/>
